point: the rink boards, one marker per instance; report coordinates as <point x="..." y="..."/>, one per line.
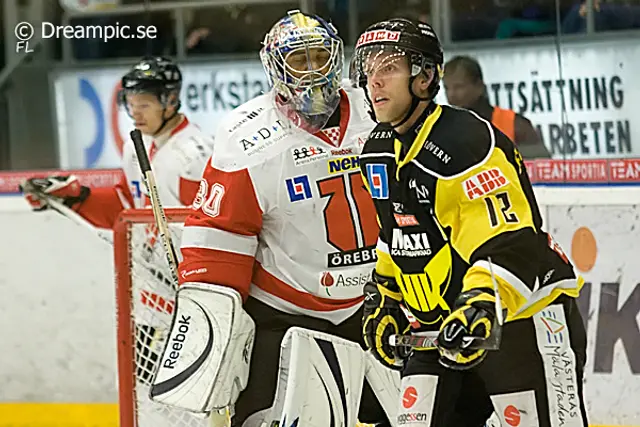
<point x="58" y="309"/>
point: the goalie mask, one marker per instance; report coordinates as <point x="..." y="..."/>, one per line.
<point x="157" y="76"/>
<point x="303" y="58"/>
<point x="397" y="48"/>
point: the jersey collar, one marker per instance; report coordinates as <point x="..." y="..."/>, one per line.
<point x="419" y="140"/>
<point x="345" y="113"/>
<point x="159" y="141"/>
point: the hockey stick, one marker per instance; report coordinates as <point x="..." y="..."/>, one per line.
<point x="105" y="235"/>
<point x="162" y="224"/>
<point x="430" y="339"/>
<point x="156" y="206"/>
<point x="69" y="213"/>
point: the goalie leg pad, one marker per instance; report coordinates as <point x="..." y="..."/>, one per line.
<point x="320" y="378"/>
<point x="385" y="384"/>
<point x="205" y="362"/>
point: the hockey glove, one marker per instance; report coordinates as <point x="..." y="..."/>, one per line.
<point x="66" y="189"/>
<point x="382" y="318"/>
<point x="473" y="317"/>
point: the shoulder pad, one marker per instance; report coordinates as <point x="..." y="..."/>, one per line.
<point x="379" y="141"/>
<point x="246" y="114"/>
<point x="382" y="131"/>
<point x="251" y="140"/>
<point x="192" y="138"/>
<point x="459" y="140"/>
<point x="194" y="148"/>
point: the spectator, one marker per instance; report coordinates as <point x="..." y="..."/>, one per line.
<point x="197" y="40"/>
<point x="464" y="87"/>
<point x="528" y="20"/>
<point x="607" y="17"/>
<point x="205" y="37"/>
<point x="230" y="29"/>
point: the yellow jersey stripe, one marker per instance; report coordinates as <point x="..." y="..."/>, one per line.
<point x="518" y="299"/>
<point x="418" y="143"/>
<point x="384" y="264"/>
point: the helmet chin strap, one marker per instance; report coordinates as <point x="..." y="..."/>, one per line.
<point x="415" y="100"/>
<point x="164" y="98"/>
<point x="164" y="121"/>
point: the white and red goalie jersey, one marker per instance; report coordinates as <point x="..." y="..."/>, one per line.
<point x="283" y="215"/>
<point x="178" y="159"/>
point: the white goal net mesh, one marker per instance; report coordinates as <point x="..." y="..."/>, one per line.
<point x="145" y="301"/>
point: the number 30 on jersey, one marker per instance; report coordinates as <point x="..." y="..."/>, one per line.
<point x="209" y="201"/>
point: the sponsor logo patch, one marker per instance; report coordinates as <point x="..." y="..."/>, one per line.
<point x="378" y="36"/>
<point x="484" y="183"/>
<point x="378" y="180"/>
<point x="410" y="244"/>
<point x="248" y="116"/>
<point x="405" y="220"/>
<point x="299" y="188"/>
<point x="333" y="282"/>
<point x="264" y="138"/>
<point x="309" y="154"/>
<point x="343" y="164"/>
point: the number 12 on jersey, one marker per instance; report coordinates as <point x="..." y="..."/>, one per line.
<point x="501" y="202"/>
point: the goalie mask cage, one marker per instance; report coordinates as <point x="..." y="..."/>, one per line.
<point x="144" y="301"/>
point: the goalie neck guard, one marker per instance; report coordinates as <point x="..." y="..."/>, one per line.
<point x="389" y="41"/>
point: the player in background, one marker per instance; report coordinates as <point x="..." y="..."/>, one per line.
<point x="457" y="211"/>
<point x="282" y="216"/>
<point x="178" y="151"/>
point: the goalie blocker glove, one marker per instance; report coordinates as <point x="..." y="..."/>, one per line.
<point x="66" y="189"/>
<point x="205" y="362"/>
<point x="473" y="316"/>
<point x="382" y="318"/>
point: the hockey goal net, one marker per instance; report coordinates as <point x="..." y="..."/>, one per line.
<point x="144" y="298"/>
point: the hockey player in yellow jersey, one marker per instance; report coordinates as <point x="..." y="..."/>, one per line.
<point x="459" y="219"/>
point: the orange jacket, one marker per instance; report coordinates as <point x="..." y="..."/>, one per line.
<point x="505" y="120"/>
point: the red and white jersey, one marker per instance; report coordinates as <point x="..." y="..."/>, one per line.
<point x="178" y="159"/>
<point x="283" y="215"/>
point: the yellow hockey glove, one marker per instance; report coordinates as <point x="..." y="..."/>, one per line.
<point x="382" y="318"/>
<point x="473" y="317"/>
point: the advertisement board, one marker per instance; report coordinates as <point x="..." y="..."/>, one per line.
<point x="595" y="81"/>
<point x="602" y="241"/>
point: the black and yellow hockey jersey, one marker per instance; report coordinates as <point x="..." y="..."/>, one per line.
<point x="452" y="194"/>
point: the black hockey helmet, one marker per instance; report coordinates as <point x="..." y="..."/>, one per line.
<point x="399" y="38"/>
<point x="155" y="75"/>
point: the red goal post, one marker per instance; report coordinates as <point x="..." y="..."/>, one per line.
<point x="144" y="303"/>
